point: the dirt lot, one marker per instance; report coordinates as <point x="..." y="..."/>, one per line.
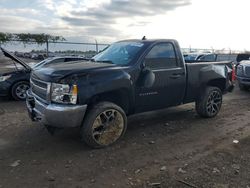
<point x="168" y="148"/>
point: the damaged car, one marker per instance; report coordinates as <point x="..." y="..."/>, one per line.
<point x="16" y="82"/>
<point x="129" y="77"/>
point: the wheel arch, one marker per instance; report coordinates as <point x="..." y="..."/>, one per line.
<point x="120" y="97"/>
<point x="219" y="83"/>
<point x="15" y="82"/>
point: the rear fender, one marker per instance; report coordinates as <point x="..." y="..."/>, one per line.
<point x="215" y="75"/>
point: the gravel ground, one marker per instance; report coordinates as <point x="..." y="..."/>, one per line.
<point x="167" y="148"/>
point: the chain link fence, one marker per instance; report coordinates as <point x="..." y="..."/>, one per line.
<point x="35" y="51"/>
<point x="86" y="49"/>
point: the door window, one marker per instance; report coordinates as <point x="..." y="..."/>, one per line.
<point x="161" y="56"/>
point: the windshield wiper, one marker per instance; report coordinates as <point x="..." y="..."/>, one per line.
<point x="104" y="61"/>
<point x="101" y="61"/>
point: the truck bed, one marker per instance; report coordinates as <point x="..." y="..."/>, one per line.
<point x="199" y="74"/>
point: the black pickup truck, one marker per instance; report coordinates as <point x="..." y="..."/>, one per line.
<point x="128" y="77"/>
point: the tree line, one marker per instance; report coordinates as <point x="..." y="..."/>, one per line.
<point x="27" y="38"/>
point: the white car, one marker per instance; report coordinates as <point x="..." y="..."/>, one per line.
<point x="54" y="60"/>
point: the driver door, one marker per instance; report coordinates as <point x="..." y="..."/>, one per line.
<point x="169" y="84"/>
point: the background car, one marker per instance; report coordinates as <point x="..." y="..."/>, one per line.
<point x="243" y="74"/>
<point x="55" y="60"/>
<point x="199" y="57"/>
<point x="15" y="82"/>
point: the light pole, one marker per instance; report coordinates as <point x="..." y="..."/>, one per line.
<point x="96" y="46"/>
<point x="47" y="46"/>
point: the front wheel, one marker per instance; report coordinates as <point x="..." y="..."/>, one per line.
<point x="18" y="90"/>
<point x="104" y="125"/>
<point x="209" y="103"/>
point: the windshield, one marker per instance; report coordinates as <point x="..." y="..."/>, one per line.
<point x="41" y="63"/>
<point x="120" y="53"/>
<point x="190" y="57"/>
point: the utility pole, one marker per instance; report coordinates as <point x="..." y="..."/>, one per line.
<point x="96" y="46"/>
<point x="47" y="46"/>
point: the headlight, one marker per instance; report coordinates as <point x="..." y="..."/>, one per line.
<point x="63" y="93"/>
<point x="239" y="70"/>
<point x="3" y="78"/>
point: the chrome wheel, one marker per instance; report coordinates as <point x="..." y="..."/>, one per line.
<point x="20" y="91"/>
<point x="214" y="103"/>
<point x="108" y="127"/>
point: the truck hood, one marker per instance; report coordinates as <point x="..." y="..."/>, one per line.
<point x="16" y="59"/>
<point x="245" y="63"/>
<point x="54" y="73"/>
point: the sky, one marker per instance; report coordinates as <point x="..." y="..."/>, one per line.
<point x="212" y="24"/>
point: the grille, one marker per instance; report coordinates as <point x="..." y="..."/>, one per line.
<point x="240" y="70"/>
<point x="40" y="88"/>
<point x="247" y="71"/>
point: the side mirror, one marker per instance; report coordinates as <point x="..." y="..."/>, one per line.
<point x="148" y="78"/>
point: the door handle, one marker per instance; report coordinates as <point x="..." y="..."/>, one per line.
<point x="176" y="75"/>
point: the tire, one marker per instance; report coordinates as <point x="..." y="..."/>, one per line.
<point x="18" y="90"/>
<point x="209" y="103"/>
<point x="243" y="87"/>
<point x="104" y="124"/>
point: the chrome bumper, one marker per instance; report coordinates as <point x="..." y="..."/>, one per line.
<point x="55" y="115"/>
<point x="244" y="80"/>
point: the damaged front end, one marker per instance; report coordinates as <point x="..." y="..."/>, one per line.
<point x="54" y="105"/>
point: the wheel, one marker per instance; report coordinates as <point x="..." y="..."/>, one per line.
<point x="209" y="103"/>
<point x="18" y="90"/>
<point x="243" y="87"/>
<point x="103" y="125"/>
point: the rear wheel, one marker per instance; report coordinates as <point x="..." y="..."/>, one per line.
<point x="18" y="90"/>
<point x="104" y="125"/>
<point x="209" y="103"/>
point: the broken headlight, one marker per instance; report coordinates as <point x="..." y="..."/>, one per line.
<point x="64" y="93"/>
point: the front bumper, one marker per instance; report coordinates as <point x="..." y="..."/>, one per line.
<point x="244" y="80"/>
<point x="4" y="88"/>
<point x="55" y="115"/>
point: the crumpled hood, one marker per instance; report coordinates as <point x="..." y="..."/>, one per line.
<point x="54" y="73"/>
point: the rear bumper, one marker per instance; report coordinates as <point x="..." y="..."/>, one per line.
<point x="55" y="115"/>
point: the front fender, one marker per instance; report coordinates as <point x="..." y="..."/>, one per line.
<point x="104" y="82"/>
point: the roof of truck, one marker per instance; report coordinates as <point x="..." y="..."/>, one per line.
<point x="149" y="40"/>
